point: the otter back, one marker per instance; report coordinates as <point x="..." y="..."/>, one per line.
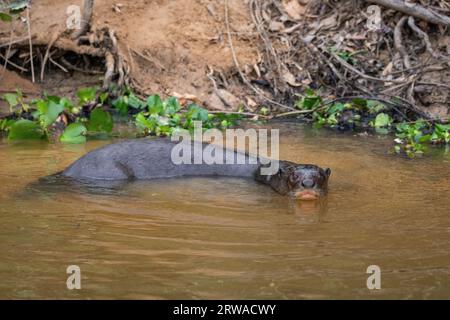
<point x="152" y="159"/>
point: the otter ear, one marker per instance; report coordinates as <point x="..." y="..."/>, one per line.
<point x="328" y="172"/>
<point x="281" y="171"/>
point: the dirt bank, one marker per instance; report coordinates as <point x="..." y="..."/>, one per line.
<point x="254" y="53"/>
<point x="170" y="45"/>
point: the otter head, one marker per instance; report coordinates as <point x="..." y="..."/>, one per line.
<point x="304" y="182"/>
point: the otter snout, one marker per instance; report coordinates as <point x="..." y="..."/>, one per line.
<point x="308" y="183"/>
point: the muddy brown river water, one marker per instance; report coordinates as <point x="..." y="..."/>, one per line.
<point x="230" y="238"/>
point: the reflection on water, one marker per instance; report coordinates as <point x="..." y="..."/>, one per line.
<point x="229" y="238"/>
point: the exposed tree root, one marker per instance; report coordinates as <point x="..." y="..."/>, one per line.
<point x="398" y="42"/>
<point x="415" y="10"/>
<point x="332" y="47"/>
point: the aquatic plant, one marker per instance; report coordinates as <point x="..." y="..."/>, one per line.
<point x="92" y="116"/>
<point x="41" y="117"/>
<point x="164" y="117"/>
<point x="412" y="138"/>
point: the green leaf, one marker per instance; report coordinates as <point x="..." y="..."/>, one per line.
<point x="5" y="124"/>
<point x="375" y="107"/>
<point x="74" y="133"/>
<point x="121" y="104"/>
<point x="11" y="99"/>
<point x="335" y="108"/>
<point x="382" y="120"/>
<point x="264" y="111"/>
<point x="5" y="17"/>
<point x="442" y="127"/>
<point x="309" y="102"/>
<point x="360" y="102"/>
<point x="86" y="95"/>
<point x="425" y="138"/>
<point x="49" y="112"/>
<point x="144" y="123"/>
<point x="381" y="130"/>
<point x="155" y="105"/>
<point x="103" y="97"/>
<point x="100" y="121"/>
<point x="24" y="130"/>
<point x="67" y="104"/>
<point x="172" y="105"/>
<point x="196" y="113"/>
<point x="310" y="92"/>
<point x="135" y="102"/>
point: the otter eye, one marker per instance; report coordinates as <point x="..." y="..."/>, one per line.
<point x="294" y="178"/>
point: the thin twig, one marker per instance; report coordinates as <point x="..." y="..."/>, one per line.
<point x="7" y="61"/>
<point x="236" y="62"/>
<point x="31" y="44"/>
<point x="13" y="42"/>
<point x="47" y="53"/>
<point x="247" y="114"/>
<point x="58" y="65"/>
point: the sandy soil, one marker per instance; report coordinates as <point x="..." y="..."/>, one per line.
<point x="182" y="38"/>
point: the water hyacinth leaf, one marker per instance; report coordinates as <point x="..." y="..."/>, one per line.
<point x="382" y="120"/>
<point x="50" y="112"/>
<point x="309" y="92"/>
<point x="309" y="102"/>
<point x="425" y="138"/>
<point x="121" y="104"/>
<point x="381" y="130"/>
<point x="264" y="111"/>
<point x="55" y="99"/>
<point x="335" y="108"/>
<point x="146" y="124"/>
<point x="74" y="133"/>
<point x="86" y="95"/>
<point x="197" y="113"/>
<point x="5" y="17"/>
<point x="5" y="124"/>
<point x="103" y="97"/>
<point x="172" y="105"/>
<point x="11" y="99"/>
<point x="375" y="107"/>
<point x="67" y="104"/>
<point x="155" y="105"/>
<point x="135" y="102"/>
<point x="442" y="127"/>
<point x="359" y="102"/>
<point x="25" y="130"/>
<point x="100" y="121"/>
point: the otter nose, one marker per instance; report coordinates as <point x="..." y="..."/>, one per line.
<point x="308" y="183"/>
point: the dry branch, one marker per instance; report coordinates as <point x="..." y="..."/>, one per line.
<point x="398" y="42"/>
<point x="415" y="10"/>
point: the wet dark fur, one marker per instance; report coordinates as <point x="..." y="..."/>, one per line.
<point x="151" y="159"/>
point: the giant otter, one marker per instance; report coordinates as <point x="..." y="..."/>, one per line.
<point x="151" y="159"/>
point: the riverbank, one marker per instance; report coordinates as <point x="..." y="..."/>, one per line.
<point x="221" y="62"/>
<point x="228" y="55"/>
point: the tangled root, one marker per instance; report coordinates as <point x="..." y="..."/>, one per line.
<point x="86" y="44"/>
